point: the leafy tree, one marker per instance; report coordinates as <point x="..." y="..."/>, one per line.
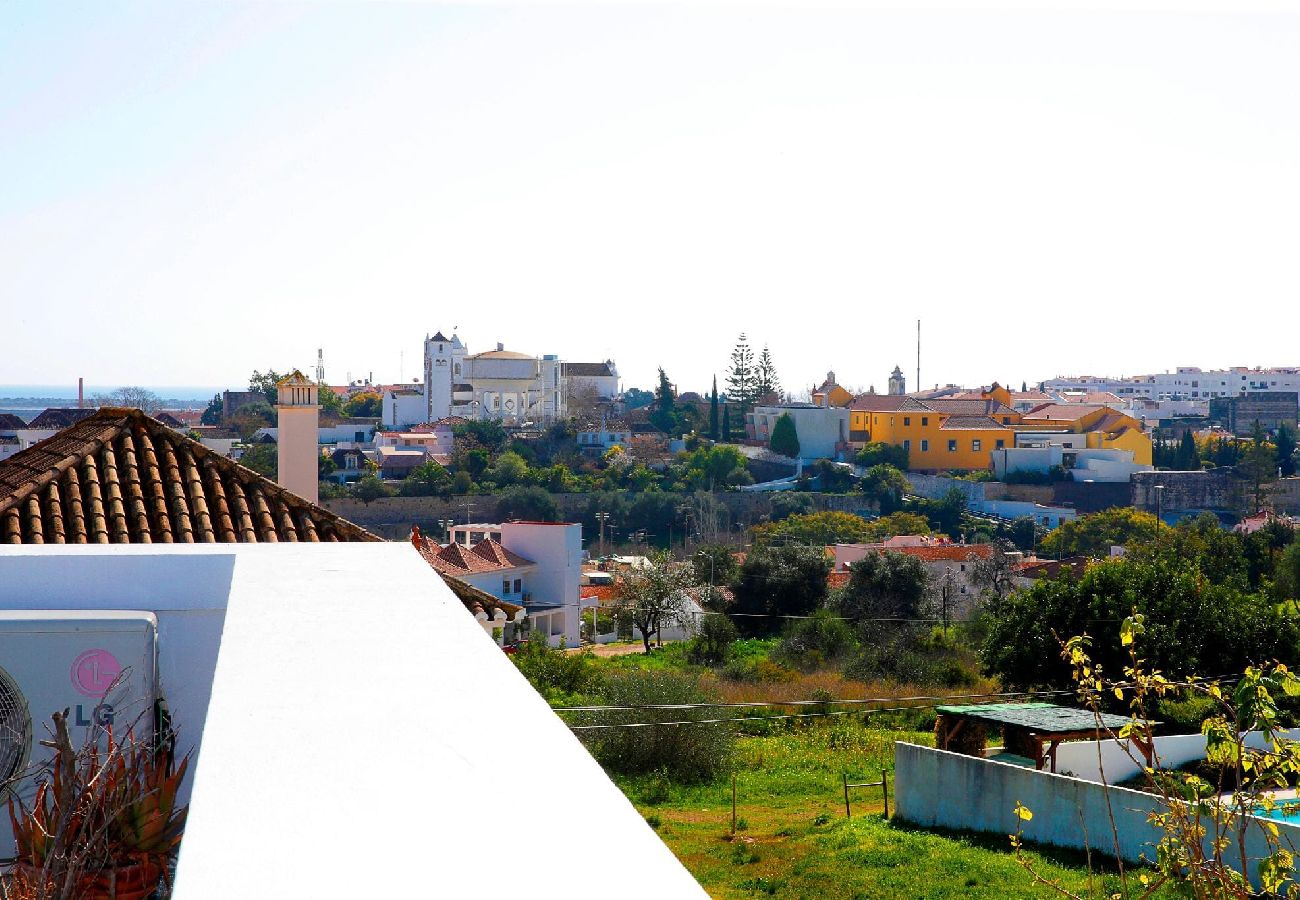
<point x="878" y="453"/>
<point x="527" y="502"/>
<point x="133" y="397"/>
<point x="1287" y="574"/>
<point x="508" y="468"/>
<point x="809" y="644"/>
<point x="897" y="523"/>
<point x="635" y="398"/>
<point x="485" y="434"/>
<point x="742" y="378"/>
<point x="789" y="503"/>
<point x="1258" y="466"/>
<point x="1023" y="532"/>
<point x="266" y="382"/>
<point x="785" y="439"/>
<point x="712" y="468"/>
<point x="262" y="459"/>
<point x="250" y="417"/>
<point x="330" y="404"/>
<point x="715" y="564"/>
<point x="819" y="528"/>
<point x="366" y="404"/>
<point x="832" y="477"/>
<point x="1094" y="535"/>
<point x="1194" y="625"/>
<point x="429" y="479"/>
<point x="945" y="514"/>
<point x="767" y="385"/>
<point x="993" y="577"/>
<point x="1188" y="458"/>
<point x="887" y="486"/>
<point x="779" y="581"/>
<point x="1284" y="442"/>
<point x="884" y="586"/>
<point x="655" y="596"/>
<point x="714" y="425"/>
<point x="212" y="412"/>
<point x="712" y="644"/>
<point x="369" y="488"/>
<point x="325" y="465"/>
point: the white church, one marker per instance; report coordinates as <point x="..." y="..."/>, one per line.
<point x="514" y="388"/>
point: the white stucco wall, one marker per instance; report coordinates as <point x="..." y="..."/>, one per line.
<point x="936" y="788"/>
<point x="358" y="741"/>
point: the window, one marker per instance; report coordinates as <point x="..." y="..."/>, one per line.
<point x="975" y="445"/>
<point x="952" y="446"/>
<point x="907" y="445"/>
<point x="925" y="446"/>
<point x="907" y="421"/>
<point x="1001" y="443"/>
<point x="519" y="584"/>
<point x="505" y="586"/>
<point x="1006" y="420"/>
<point x="360" y="437"/>
<point x="963" y="567"/>
<point x="925" y="421"/>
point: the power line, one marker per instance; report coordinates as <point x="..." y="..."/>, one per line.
<point x="761" y="703"/>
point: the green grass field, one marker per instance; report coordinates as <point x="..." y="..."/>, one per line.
<point x="794" y="841"/>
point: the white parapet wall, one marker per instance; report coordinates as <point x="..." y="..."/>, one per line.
<point x="937" y="788"/>
<point x="1116" y="763"/>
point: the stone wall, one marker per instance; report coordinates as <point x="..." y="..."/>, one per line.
<point x="392" y="517"/>
<point x="1209" y="489"/>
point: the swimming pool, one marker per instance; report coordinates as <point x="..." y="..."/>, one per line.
<point x="1282" y="811"/>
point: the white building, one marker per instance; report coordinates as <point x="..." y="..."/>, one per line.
<point x="1100" y="465"/>
<point x="537" y="565"/>
<point x="499" y="384"/>
<point x="1187" y="383"/>
<point x="823" y="431"/>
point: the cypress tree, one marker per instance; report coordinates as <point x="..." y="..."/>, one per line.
<point x="785" y="438"/>
<point x="713" y="410"/>
<point x="726" y="424"/>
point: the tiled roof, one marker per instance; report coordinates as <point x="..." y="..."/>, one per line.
<point x="970" y="407"/>
<point x="9" y="422"/>
<point x="475" y="599"/>
<point x="1065" y="412"/>
<point x="457" y="559"/>
<point x="586" y="370"/>
<point x="953" y="552"/>
<point x="878" y="402"/>
<point x="122" y="477"/>
<point x="967" y="423"/>
<point x="55" y="417"/>
<point x="1051" y="568"/>
<point x="837" y="579"/>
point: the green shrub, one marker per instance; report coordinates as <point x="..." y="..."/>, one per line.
<point x="809" y="644"/>
<point x="712" y="645"/>
<point x="684" y="753"/>
<point x="556" y="674"/>
<point x="1184" y="714"/>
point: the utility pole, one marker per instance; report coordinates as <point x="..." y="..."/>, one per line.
<point x="947" y="587"/>
<point x="602" y="518"/>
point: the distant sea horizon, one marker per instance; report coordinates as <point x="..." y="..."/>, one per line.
<point x="28" y="400"/>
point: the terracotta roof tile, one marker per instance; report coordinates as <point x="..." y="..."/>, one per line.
<point x="119" y="476"/>
<point x="9" y="422"/>
<point x="55" y="417"/>
<point x="966" y="423"/>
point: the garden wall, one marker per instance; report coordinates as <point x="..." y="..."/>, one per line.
<point x="935" y="788"/>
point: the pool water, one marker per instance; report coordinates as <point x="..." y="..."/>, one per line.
<point x="1282" y="811"/>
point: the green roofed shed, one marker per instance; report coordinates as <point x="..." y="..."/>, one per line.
<point x="1030" y="730"/>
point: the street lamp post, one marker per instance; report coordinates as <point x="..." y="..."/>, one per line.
<point x="445" y="525"/>
<point x="602" y="518"/>
<point x="1160" y="491"/>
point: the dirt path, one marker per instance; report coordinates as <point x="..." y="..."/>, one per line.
<point x="620" y="649"/>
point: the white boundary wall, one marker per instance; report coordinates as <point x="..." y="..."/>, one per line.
<point x="937" y="788"/>
<point x="1079" y="758"/>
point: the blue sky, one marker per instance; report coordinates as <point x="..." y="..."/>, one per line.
<point x="192" y="191"/>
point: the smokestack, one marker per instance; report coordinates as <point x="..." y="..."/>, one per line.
<point x="81" y="393"/>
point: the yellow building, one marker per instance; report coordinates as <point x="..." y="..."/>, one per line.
<point x="961" y="434"/>
<point x="1103" y="427"/>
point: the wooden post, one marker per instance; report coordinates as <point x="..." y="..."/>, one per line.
<point x="884" y="789"/>
<point x="733" y="804"/>
<point x="848" y="813"/>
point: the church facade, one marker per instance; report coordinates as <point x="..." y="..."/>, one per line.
<point x="512" y="387"/>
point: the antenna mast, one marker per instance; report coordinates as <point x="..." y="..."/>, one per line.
<point x="918" y="354"/>
<point x="320" y="365"/>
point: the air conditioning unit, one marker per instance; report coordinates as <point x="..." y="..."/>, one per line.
<point x="101" y="666"/>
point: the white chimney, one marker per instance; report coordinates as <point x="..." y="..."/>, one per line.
<point x="298" y="436"/>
